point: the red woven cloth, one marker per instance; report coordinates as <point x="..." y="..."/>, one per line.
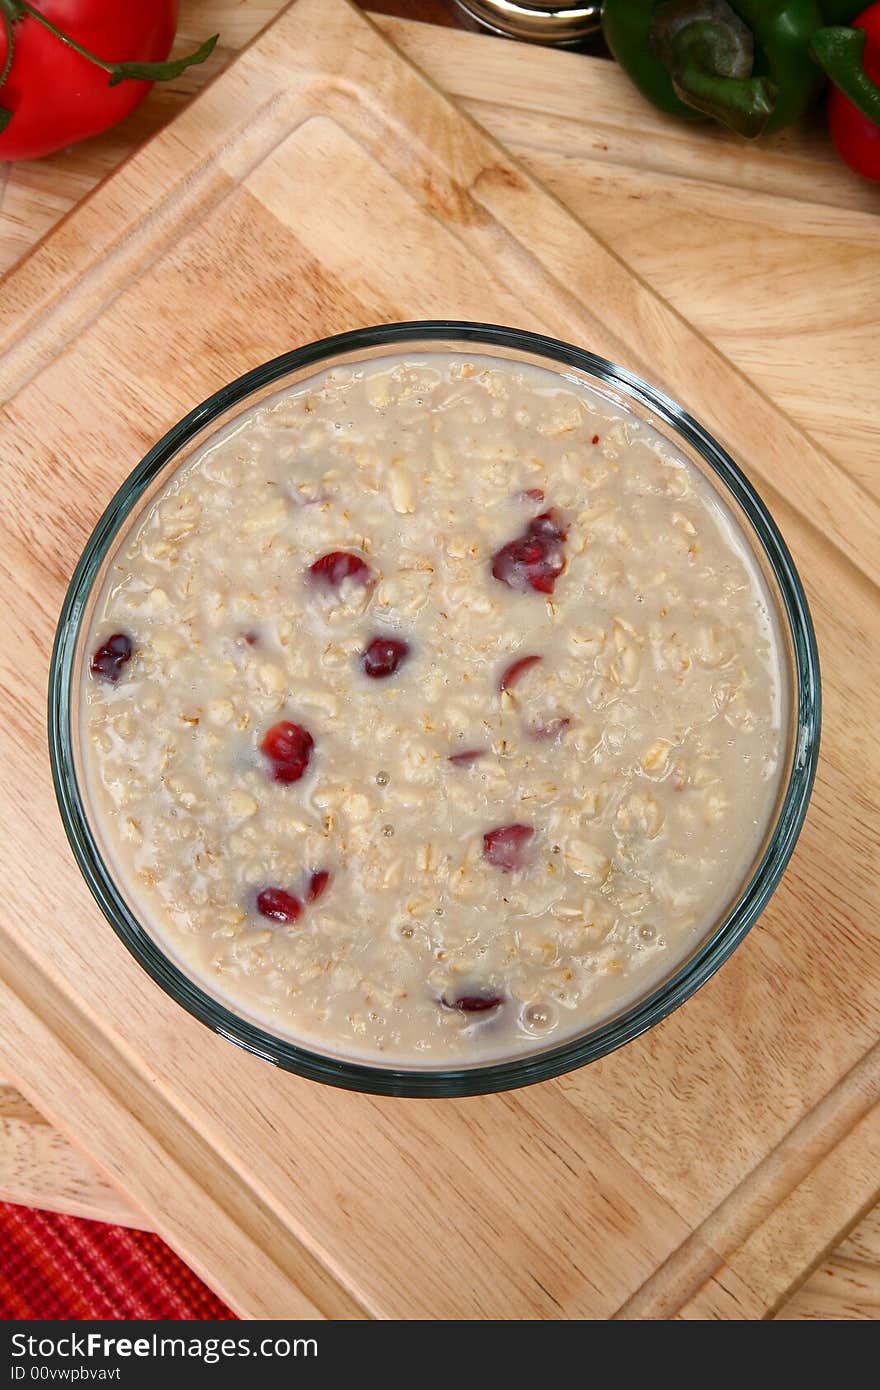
<point x="60" y="1267"/>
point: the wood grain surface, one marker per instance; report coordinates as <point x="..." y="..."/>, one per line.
<point x="39" y="1167"/>
<point x="35" y="194"/>
<point x="707" y="219"/>
<point x="657" y="1182"/>
<point x="847" y="1285"/>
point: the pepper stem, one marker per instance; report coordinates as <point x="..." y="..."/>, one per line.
<point x="709" y="54"/>
<point x="840" y="54"/>
<point x="743" y="104"/>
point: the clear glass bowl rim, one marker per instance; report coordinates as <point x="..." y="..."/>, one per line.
<point x="671" y="992"/>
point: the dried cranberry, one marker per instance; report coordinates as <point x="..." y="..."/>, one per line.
<point x="470" y="755"/>
<point x="317" y="884"/>
<point x="473" y="1003"/>
<point x="332" y="569"/>
<point x="107" y="662"/>
<point x="533" y="560"/>
<point x="278" y="905"/>
<point x="383" y="656"/>
<point x="595" y="439"/>
<point x="517" y="669"/>
<point x="288" y="748"/>
<point x="505" y="847"/>
<point x="548" y="526"/>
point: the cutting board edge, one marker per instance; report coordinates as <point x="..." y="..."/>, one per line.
<point x="157" y="136"/>
<point x="740" y="1219"/>
<point x="251" y="1283"/>
<point x="852" y="524"/>
<point x="779" y="1185"/>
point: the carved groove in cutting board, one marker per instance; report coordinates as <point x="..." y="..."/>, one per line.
<point x="680" y="1284"/>
<point x="473" y="184"/>
<point x="187" y="1172"/>
<point x="101" y="271"/>
<point x="771" y="251"/>
<point x="582" y="1189"/>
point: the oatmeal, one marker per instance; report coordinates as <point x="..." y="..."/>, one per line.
<point x="434" y="712"/>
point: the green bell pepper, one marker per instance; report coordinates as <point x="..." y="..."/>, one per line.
<point x="747" y="63"/>
<point x="626" y="25"/>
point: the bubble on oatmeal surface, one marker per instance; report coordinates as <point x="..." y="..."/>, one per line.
<point x="538" y="1018"/>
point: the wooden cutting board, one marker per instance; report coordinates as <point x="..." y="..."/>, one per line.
<point x="550" y="107"/>
<point x="40" y="1168"/>
<point x="777" y="229"/>
<point x="697" y="1171"/>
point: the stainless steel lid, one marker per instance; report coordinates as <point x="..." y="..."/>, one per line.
<point x="549" y="22"/>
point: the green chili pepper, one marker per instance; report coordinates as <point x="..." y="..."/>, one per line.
<point x="840" y="53"/>
<point x="747" y="63"/>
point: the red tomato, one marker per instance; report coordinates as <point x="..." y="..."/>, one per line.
<point x="58" y="97"/>
<point x="857" y="138"/>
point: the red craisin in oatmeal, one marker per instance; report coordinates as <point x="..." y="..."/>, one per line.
<point x="464" y="741"/>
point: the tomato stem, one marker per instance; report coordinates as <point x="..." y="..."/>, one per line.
<point x="27" y="9"/>
<point x="16" y="10"/>
<point x="10" y="47"/>
<point x="6" y="115"/>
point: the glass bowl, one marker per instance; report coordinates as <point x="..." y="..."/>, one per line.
<point x="623" y="389"/>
